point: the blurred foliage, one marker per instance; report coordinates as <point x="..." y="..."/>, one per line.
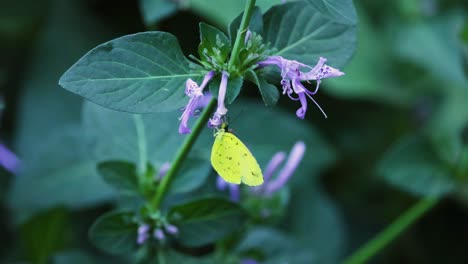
<point x="397" y="130"/>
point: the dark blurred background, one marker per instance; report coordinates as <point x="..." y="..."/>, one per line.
<point x="408" y="79"/>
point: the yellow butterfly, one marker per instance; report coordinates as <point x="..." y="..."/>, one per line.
<point x="233" y="161"/>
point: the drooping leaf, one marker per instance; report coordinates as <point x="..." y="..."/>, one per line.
<point x="269" y="92"/>
<point x="413" y="166"/>
<point x="206" y="220"/>
<point x="341" y="11"/>
<point x="114" y="233"/>
<point x="300" y="32"/>
<point x="140" y="73"/>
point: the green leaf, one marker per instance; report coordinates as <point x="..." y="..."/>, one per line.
<point x="160" y="139"/>
<point x="44" y="234"/>
<point x="114" y="233"/>
<point x="269" y="92"/>
<point x="274" y="246"/>
<point x="433" y="45"/>
<point x="300" y="32"/>
<point x="206" y="220"/>
<point x="341" y="11"/>
<point x="73" y="257"/>
<point x="413" y="166"/>
<point x="141" y="73"/>
<point x="255" y="25"/>
<point x="154" y="11"/>
<point x="171" y="256"/>
<point x="214" y="44"/>
<point x="69" y="176"/>
<point x="233" y="87"/>
<point x="121" y="175"/>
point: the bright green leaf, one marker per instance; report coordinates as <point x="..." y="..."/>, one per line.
<point x="299" y="32"/>
<point x="214" y="44"/>
<point x="114" y="233"/>
<point x="141" y="73"/>
<point x="206" y="220"/>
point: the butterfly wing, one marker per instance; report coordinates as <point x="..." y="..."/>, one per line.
<point x="250" y="171"/>
<point x="225" y="159"/>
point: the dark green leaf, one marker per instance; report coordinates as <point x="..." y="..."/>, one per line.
<point x="114" y="233"/>
<point x="121" y="175"/>
<point x="206" y="220"/>
<point x="171" y="256"/>
<point x="433" y="46"/>
<point x="413" y="166"/>
<point x="193" y="174"/>
<point x="154" y="11"/>
<point x="73" y="257"/>
<point x="44" y="234"/>
<point x="233" y="87"/>
<point x="214" y="45"/>
<point x="141" y="73"/>
<point x="300" y="32"/>
<point x="269" y="92"/>
<point x="255" y="25"/>
<point x="341" y="11"/>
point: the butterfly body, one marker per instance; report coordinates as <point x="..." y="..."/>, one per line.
<point x="233" y="161"/>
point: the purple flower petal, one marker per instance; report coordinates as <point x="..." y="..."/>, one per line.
<point x="171" y="229"/>
<point x="8" y="160"/>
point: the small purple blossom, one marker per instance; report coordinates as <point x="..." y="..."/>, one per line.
<point x="273" y="185"/>
<point x="221" y="111"/>
<point x="143" y="233"/>
<point x="8" y="159"/>
<point x="294" y="72"/>
<point x="163" y="170"/>
<point x="159" y="234"/>
<point x="195" y="93"/>
<point x="234" y="190"/>
<point x="171" y="229"/>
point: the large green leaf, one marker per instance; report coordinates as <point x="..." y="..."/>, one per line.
<point x="433" y="46"/>
<point x="120" y="175"/>
<point x="141" y="73"/>
<point x="341" y="11"/>
<point x="300" y="32"/>
<point x="412" y="165"/>
<point x="68" y="177"/>
<point x="206" y="220"/>
<point x="157" y="144"/>
<point x="269" y="92"/>
<point x="114" y="233"/>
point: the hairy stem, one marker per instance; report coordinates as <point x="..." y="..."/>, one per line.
<point x="239" y="43"/>
<point x="392" y="231"/>
<point x="181" y="155"/>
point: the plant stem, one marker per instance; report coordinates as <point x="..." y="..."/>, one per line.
<point x="142" y="152"/>
<point x="181" y="155"/>
<point x="240" y="37"/>
<point x="392" y="231"/>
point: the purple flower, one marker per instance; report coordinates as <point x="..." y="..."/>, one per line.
<point x="217" y="119"/>
<point x="143" y="233"/>
<point x="294" y="72"/>
<point x="163" y="170"/>
<point x="273" y="185"/>
<point x="195" y="93"/>
<point x="159" y="234"/>
<point x="234" y="191"/>
<point x="171" y="229"/>
<point x="8" y="159"/>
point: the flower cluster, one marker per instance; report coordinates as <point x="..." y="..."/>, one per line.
<point x="271" y="186"/>
<point x="294" y="72"/>
<point x="159" y="233"/>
